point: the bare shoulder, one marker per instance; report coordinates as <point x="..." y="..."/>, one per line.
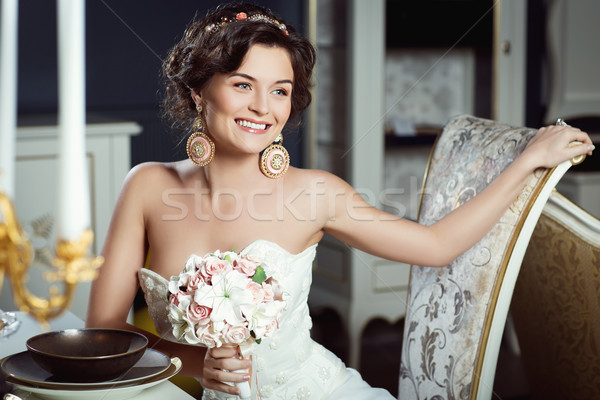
<point x="316" y="177"/>
<point x="145" y="180"/>
<point x="156" y="175"/>
<point x="156" y="170"/>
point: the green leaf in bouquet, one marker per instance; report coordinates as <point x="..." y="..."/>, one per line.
<point x="257" y="340"/>
<point x="260" y="275"/>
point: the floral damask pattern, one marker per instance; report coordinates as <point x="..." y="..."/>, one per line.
<point x="447" y="307"/>
<point x="556" y="308"/>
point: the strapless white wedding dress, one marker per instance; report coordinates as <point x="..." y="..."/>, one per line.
<point x="288" y="365"/>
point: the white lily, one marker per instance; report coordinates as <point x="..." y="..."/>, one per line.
<point x="226" y="295"/>
<point x="264" y="314"/>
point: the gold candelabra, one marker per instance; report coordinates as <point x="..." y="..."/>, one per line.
<point x="71" y="266"/>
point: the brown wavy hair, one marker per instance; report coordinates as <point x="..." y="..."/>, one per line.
<point x="200" y="54"/>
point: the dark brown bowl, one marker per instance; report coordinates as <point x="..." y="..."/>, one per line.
<point x="87" y="355"/>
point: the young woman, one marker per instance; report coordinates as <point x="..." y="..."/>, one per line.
<point x="237" y="77"/>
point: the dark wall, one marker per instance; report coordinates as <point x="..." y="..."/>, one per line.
<point x="125" y="43"/>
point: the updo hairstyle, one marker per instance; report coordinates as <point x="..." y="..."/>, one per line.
<point x="203" y="52"/>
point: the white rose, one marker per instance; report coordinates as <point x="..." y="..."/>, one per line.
<point x="208" y="339"/>
<point x="236" y="334"/>
<point x="193" y="263"/>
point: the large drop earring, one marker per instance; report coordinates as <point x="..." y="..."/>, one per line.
<point x="275" y="159"/>
<point x="200" y="148"/>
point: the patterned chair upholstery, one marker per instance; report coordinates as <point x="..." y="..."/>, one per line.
<point x="556" y="304"/>
<point x="455" y="315"/>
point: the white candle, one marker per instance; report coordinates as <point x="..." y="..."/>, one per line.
<point x="8" y="96"/>
<point x="73" y="192"/>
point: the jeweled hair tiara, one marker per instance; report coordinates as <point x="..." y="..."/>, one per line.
<point x="241" y="16"/>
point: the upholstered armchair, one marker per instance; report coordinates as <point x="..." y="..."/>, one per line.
<point x="455" y="315"/>
<point x="556" y="304"/>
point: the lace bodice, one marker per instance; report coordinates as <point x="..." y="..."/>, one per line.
<point x="288" y="365"/>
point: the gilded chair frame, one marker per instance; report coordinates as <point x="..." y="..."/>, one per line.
<point x="532" y="201"/>
<point x="487" y="354"/>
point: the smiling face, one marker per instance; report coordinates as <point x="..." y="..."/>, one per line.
<point x="248" y="108"/>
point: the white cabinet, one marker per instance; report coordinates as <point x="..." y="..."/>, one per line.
<point x="347" y="138"/>
<point x="108" y="156"/>
<point x="574" y="59"/>
<point x="574" y="63"/>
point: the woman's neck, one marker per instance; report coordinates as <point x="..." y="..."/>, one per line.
<point x="234" y="172"/>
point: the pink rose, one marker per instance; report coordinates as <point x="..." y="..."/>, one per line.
<point x="199" y="314"/>
<point x="271" y="328"/>
<point x="258" y="294"/>
<point x="277" y="291"/>
<point x="195" y="281"/>
<point x="245" y="266"/>
<point x="214" y="266"/>
<point x="236" y="334"/>
<point x="175" y="299"/>
<point x="268" y="292"/>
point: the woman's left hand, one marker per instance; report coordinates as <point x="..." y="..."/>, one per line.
<point x="557" y="143"/>
<point x="219" y="364"/>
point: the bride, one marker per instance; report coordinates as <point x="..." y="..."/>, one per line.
<point x="236" y="78"/>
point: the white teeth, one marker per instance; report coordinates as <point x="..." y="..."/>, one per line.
<point x="252" y="125"/>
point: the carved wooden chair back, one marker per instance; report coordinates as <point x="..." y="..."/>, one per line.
<point x="455" y="315"/>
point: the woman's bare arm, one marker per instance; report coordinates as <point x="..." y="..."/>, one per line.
<point x="124" y="251"/>
<point x="376" y="232"/>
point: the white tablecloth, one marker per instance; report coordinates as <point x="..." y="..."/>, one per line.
<point x="30" y="327"/>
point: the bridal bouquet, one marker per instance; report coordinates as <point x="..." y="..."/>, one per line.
<point x="224" y="298"/>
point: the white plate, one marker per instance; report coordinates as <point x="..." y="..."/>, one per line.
<point x="116" y="393"/>
<point x="22" y="368"/>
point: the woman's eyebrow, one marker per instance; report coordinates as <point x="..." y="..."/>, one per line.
<point x="251" y="78"/>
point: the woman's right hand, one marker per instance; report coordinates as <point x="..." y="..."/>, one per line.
<point x="218" y="363"/>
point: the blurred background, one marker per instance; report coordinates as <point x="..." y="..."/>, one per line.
<point x="126" y="42"/>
